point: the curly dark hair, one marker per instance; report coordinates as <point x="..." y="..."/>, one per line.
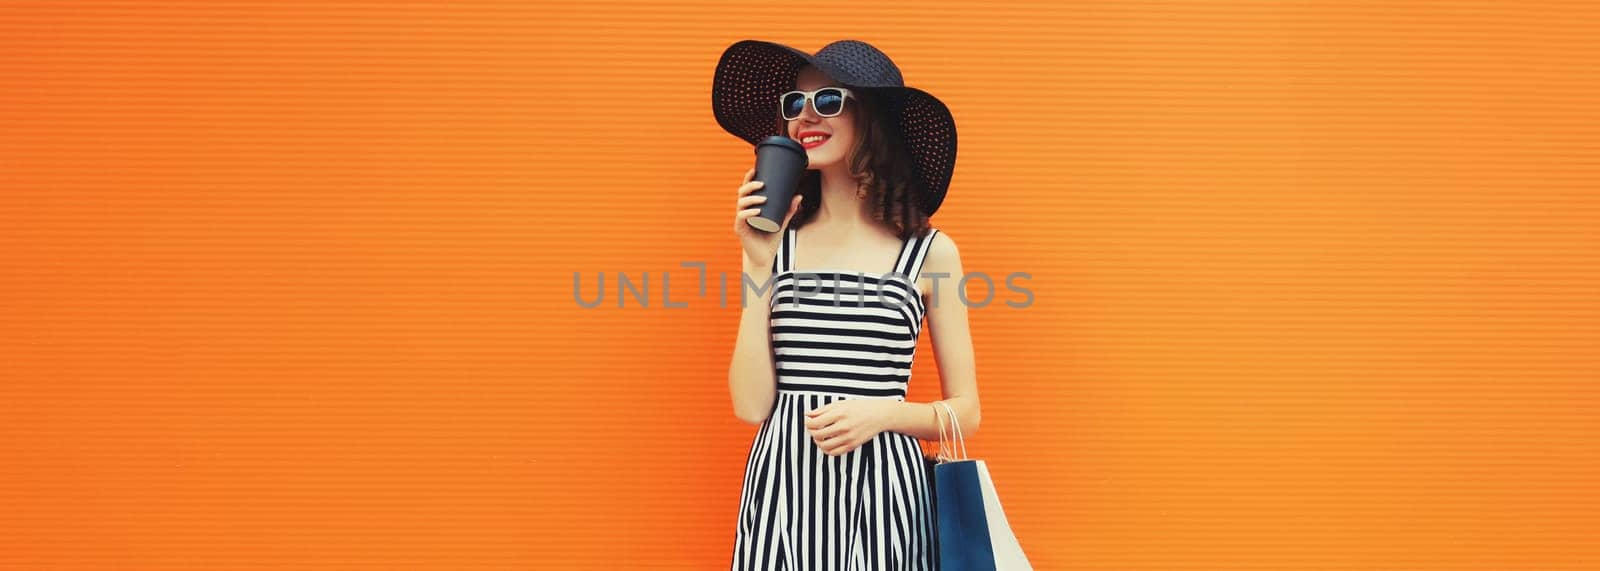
<point x="879" y="162"/>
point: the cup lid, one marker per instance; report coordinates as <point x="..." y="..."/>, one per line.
<point x="783" y="141"/>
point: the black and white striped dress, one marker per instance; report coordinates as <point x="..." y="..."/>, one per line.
<point x="846" y="335"/>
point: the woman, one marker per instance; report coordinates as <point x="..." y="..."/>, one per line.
<point x="835" y="476"/>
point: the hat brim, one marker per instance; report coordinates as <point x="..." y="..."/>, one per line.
<point x="752" y="71"/>
<point x="751" y="74"/>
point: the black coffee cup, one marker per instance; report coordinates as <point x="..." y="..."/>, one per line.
<point x="779" y="163"/>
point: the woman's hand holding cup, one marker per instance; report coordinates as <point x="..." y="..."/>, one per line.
<point x="760" y="247"/>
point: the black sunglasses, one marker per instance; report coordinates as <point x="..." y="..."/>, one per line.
<point x="827" y="101"/>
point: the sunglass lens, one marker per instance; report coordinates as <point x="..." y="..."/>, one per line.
<point x="793" y="104"/>
<point x="829" y="102"/>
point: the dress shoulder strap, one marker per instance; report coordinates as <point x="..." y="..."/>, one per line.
<point x="784" y="260"/>
<point x="913" y="253"/>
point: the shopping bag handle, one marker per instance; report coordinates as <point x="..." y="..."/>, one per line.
<point x="947" y="454"/>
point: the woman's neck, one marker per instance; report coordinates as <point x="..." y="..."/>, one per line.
<point x="842" y="211"/>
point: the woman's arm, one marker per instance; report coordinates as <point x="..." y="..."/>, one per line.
<point x="952" y="348"/>
<point x="752" y="376"/>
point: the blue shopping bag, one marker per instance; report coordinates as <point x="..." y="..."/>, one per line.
<point x="972" y="531"/>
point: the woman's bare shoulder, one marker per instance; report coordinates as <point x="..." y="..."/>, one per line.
<point x="943" y="255"/>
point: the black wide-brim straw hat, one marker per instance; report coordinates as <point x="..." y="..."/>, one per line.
<point x="752" y="74"/>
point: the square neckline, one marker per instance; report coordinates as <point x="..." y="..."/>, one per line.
<point x="793" y="235"/>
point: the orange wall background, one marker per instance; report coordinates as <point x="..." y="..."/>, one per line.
<point x="290" y="284"/>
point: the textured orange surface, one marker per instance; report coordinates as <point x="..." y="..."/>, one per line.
<point x="289" y="285"/>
